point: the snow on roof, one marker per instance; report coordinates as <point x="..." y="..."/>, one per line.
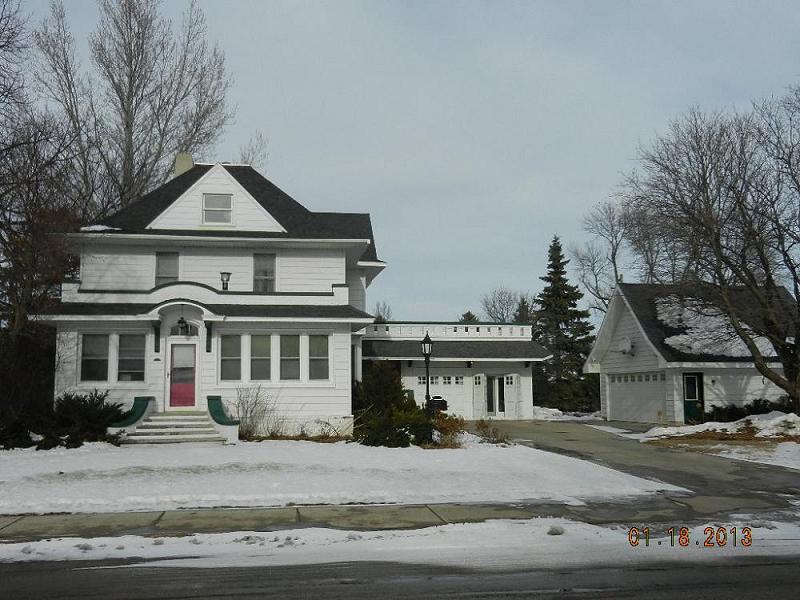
<point x="99" y="228"/>
<point x="707" y="330"/>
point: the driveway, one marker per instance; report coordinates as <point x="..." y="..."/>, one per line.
<point x="720" y="486"/>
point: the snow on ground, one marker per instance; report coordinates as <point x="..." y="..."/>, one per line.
<point x="541" y="413"/>
<point x="768" y="425"/>
<point x="784" y="454"/>
<point x="499" y="544"/>
<point x="106" y="478"/>
<point x="707" y="329"/>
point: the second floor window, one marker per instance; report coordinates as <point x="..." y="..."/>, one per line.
<point x="166" y="267"/>
<point x="217" y="209"/>
<point x="264" y="273"/>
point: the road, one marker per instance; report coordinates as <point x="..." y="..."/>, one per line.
<point x="752" y="578"/>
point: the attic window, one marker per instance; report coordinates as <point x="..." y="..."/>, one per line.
<point x="217" y="209"/>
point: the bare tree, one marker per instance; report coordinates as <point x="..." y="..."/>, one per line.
<point x="499" y="304"/>
<point x="256" y="151"/>
<point x="598" y="262"/>
<point x="13" y="46"/>
<point x="725" y="190"/>
<point x="33" y="206"/>
<point x="154" y="91"/>
<point x="383" y="312"/>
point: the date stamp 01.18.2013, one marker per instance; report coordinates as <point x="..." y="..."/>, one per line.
<point x="684" y="537"/>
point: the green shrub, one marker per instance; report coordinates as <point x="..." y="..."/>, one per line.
<point x="384" y="415"/>
<point x="761" y="406"/>
<point x="70" y="421"/>
<point x="14" y="430"/>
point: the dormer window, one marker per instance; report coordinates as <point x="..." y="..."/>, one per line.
<point x="217" y="209"/>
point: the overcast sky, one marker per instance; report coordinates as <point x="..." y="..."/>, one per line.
<point x="475" y="131"/>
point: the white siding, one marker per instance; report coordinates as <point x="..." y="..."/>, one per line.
<point x="203" y="265"/>
<point x="736" y="386"/>
<point x="301" y="270"/>
<point x="642" y="358"/>
<point x="302" y="405"/>
<point x="117" y="267"/>
<point x="358" y="288"/>
<point x="187" y="211"/>
<point x="460" y="397"/>
<point x="68" y="363"/>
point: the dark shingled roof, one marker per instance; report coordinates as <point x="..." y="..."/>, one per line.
<point x="299" y="311"/>
<point x="456" y="349"/>
<point x="642" y="300"/>
<point x="297" y="220"/>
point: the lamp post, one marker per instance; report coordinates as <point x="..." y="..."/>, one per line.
<point x="427" y="348"/>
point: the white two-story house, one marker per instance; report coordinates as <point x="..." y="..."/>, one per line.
<point x="218" y="282"/>
<point x="215" y="281"/>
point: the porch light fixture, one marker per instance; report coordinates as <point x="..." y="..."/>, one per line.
<point x="183" y="326"/>
<point x="225" y="277"/>
<point x="427" y="349"/>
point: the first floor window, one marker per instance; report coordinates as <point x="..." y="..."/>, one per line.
<point x="477" y="379"/>
<point x="130" y="359"/>
<point x="290" y="357"/>
<point x="459" y="380"/>
<point x="447" y="380"/>
<point x="509" y="380"/>
<point x="318" y="364"/>
<point x="230" y="357"/>
<point x="434" y="380"/>
<point x="421" y="380"/>
<point x="94" y="357"/>
<point x="260" y="347"/>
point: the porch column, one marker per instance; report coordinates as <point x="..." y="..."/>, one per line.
<point x="357" y="358"/>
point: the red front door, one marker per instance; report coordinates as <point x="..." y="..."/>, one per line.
<point x="181" y="381"/>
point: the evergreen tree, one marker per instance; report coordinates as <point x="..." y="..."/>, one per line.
<point x="523" y="315"/>
<point x="468" y="317"/>
<point x="565" y="330"/>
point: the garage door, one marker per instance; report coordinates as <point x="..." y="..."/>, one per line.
<point x="636" y="397"/>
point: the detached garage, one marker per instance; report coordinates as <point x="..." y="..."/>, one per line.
<point x="665" y="356"/>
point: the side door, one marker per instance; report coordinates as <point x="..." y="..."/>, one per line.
<point x="693" y="398"/>
<point x="478" y="396"/>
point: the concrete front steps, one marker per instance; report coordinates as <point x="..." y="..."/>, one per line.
<point x="174" y="427"/>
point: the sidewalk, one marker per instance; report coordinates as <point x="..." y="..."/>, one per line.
<point x="673" y="509"/>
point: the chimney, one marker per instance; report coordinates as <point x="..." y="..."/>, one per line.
<point x="183" y="162"/>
